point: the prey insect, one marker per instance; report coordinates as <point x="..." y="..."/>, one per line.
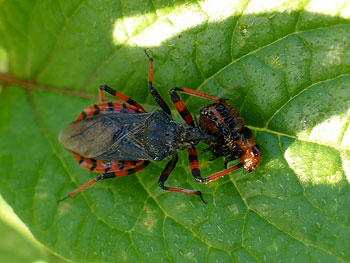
<point x="117" y="139"/>
<point x="232" y="139"/>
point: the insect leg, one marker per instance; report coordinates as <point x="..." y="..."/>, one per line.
<point x="152" y="90"/>
<point x="222" y="173"/>
<point x="165" y="174"/>
<point x="196" y="93"/>
<point x="107" y="176"/>
<point x="181" y="107"/>
<point x="196" y="173"/>
<point x="119" y="95"/>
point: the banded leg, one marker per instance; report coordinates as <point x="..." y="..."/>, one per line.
<point x="180" y="105"/>
<point x="152" y="90"/>
<point x="165" y="174"/>
<point x="107" y="176"/>
<point x="119" y="95"/>
<point x="196" y="173"/>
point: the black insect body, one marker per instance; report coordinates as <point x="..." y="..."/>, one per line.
<point x="117" y="139"/>
<point x="130" y="136"/>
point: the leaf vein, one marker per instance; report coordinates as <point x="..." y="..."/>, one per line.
<point x="301" y="92"/>
<point x="49" y="57"/>
<point x="265" y="46"/>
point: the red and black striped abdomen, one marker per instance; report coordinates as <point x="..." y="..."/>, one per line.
<point x="102" y="166"/>
<point x="84" y="149"/>
<point x="108" y="107"/>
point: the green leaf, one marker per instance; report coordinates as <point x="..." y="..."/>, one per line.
<point x="285" y="65"/>
<point x="17" y="245"/>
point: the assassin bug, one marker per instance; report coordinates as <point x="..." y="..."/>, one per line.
<point x="117" y="139"/>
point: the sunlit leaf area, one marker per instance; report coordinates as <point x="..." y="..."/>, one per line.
<point x="284" y="65"/>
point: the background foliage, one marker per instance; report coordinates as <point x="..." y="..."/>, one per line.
<point x="284" y="64"/>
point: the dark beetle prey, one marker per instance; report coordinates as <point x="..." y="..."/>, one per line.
<point x="117" y="139"/>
